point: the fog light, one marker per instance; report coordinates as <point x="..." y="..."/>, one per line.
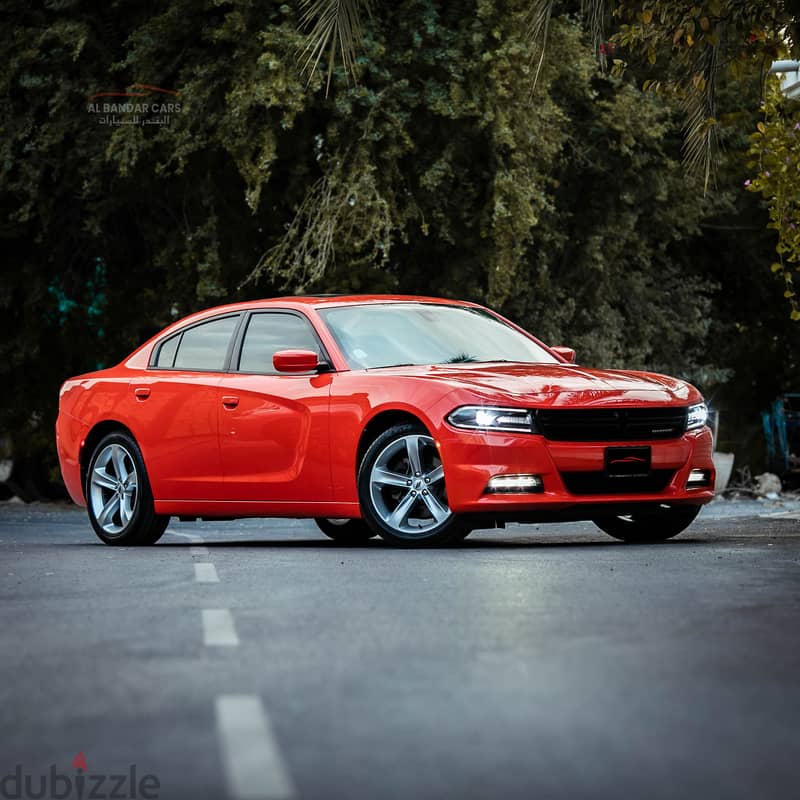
<point x="514" y="484"/>
<point x="698" y="477"/>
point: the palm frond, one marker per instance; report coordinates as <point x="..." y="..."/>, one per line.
<point x="538" y="23"/>
<point x="332" y="24"/>
<point x="700" y="128"/>
<point x="593" y="13"/>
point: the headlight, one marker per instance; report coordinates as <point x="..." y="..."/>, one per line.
<point x="491" y="418"/>
<point x="697" y="417"/>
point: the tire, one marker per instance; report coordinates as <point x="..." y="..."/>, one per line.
<point x="345" y="531"/>
<point x="652" y="525"/>
<point x="401" y="490"/>
<point x="118" y="496"/>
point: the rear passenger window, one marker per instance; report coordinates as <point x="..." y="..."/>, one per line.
<point x="270" y="332"/>
<point x="204" y="346"/>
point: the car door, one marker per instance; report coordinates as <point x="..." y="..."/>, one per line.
<point x="274" y="432"/>
<point x="177" y="410"/>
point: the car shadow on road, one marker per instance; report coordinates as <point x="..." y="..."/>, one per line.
<point x="377" y="544"/>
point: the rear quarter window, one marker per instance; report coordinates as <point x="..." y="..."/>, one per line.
<point x="166" y="352"/>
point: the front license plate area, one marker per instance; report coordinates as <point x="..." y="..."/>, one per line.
<point x="627" y="462"/>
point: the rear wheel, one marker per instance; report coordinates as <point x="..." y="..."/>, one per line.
<point x="652" y="525"/>
<point x="402" y="492"/>
<point x="345" y="531"/>
<point x="118" y="496"/>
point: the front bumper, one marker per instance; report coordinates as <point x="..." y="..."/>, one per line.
<point x="471" y="458"/>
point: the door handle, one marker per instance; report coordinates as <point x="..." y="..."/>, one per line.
<point x="142" y="392"/>
<point x="230" y="401"/>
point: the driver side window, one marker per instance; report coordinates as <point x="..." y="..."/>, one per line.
<point x="269" y="332"/>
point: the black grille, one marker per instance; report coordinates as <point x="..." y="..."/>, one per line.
<point x="610" y="424"/>
<point x="600" y="483"/>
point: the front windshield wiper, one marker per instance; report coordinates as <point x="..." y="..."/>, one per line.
<point x="484" y="361"/>
<point x="461" y="358"/>
<point x="458" y="360"/>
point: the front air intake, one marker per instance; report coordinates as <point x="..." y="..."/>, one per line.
<point x="601" y="483"/>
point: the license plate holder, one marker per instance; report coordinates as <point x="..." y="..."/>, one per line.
<point x="628" y="462"/>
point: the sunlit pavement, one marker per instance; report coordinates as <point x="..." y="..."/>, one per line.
<point x="258" y="659"/>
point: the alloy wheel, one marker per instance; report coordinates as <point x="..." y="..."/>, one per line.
<point x="407" y="486"/>
<point x="113" y="489"/>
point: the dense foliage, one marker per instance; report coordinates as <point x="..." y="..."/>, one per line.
<point x="713" y="40"/>
<point x="438" y="172"/>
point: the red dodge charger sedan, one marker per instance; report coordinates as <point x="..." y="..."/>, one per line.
<point x="413" y="418"/>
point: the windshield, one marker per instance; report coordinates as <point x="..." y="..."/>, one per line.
<point x="399" y="334"/>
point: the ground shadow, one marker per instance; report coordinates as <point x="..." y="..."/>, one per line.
<point x="477" y="543"/>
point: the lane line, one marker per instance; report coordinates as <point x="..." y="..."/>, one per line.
<point x="198" y="548"/>
<point x="218" y="628"/>
<point x="191" y="536"/>
<point x="254" y="767"/>
<point x="205" y="572"/>
<point x="782" y="515"/>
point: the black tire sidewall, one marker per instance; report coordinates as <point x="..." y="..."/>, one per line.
<point x="354" y="531"/>
<point x="447" y="532"/>
<point x="145" y="527"/>
<point x="649" y="527"/>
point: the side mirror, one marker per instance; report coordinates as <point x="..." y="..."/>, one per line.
<point x="567" y="353"/>
<point x="295" y="361"/>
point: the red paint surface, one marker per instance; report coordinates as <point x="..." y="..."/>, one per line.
<point x="235" y="444"/>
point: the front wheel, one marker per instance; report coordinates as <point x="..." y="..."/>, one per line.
<point x="651" y="525"/>
<point x="402" y="492"/>
<point x="345" y="531"/>
<point x="118" y="496"/>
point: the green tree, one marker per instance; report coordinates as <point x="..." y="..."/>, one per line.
<point x="437" y="173"/>
<point x="704" y="42"/>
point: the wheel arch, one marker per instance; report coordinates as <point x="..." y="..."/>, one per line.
<point x="94" y="436"/>
<point x="380" y="422"/>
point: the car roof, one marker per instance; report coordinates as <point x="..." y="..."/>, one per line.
<point x="321" y="301"/>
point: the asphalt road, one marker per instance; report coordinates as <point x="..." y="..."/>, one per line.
<point x="535" y="662"/>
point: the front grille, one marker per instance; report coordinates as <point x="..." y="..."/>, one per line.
<point x="610" y="424"/>
<point x="600" y="483"/>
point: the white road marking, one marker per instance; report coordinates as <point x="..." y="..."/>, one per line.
<point x="782" y="515"/>
<point x="218" y="628"/>
<point x="191" y="536"/>
<point x="253" y="764"/>
<point x="205" y="572"/>
<point x="198" y="549"/>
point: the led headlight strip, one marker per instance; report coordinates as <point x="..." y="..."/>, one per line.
<point x="697" y="416"/>
<point x="492" y="418"/>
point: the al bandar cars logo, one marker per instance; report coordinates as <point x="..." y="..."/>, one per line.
<point x="83" y="785"/>
<point x="142" y="104"/>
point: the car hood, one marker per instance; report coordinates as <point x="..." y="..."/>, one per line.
<point x="555" y="384"/>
